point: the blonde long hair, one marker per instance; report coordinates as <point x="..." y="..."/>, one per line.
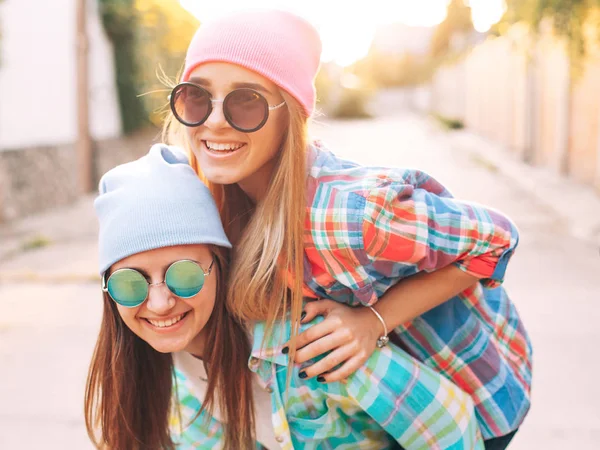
<point x="267" y="270"/>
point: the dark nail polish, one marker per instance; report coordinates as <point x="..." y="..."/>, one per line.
<point x="321" y="379"/>
<point x="303" y="315"/>
<point x="285" y="350"/>
<point x="302" y="375"/>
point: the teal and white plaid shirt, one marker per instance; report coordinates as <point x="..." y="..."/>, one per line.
<point x="393" y="399"/>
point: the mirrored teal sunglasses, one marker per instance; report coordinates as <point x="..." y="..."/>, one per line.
<point x="129" y="287"/>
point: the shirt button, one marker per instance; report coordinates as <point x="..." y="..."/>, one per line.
<point x="269" y="389"/>
<point x="279" y="439"/>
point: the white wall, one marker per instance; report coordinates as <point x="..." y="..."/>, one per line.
<point x="38" y="75"/>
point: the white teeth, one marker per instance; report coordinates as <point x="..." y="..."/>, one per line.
<point x="166" y="323"/>
<point x="222" y="147"/>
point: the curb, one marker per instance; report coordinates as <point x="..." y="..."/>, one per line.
<point x="48" y="277"/>
<point x="578" y="205"/>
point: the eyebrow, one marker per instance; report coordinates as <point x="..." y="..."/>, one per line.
<point x="163" y="269"/>
<point x="238" y="85"/>
<point x="143" y="272"/>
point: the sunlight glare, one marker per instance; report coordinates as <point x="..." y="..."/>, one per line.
<point x="346" y="31"/>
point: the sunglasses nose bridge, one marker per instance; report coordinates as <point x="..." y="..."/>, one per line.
<point x="160" y="301"/>
<point x="216" y="116"/>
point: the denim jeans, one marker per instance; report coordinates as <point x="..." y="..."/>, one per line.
<point x="499" y="443"/>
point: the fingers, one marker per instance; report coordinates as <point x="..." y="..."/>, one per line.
<point x="316" y="308"/>
<point x="347" y="369"/>
<point x="331" y="361"/>
<point x="335" y="338"/>
<point x="313" y="334"/>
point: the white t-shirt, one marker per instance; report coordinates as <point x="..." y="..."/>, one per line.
<point x="194" y="371"/>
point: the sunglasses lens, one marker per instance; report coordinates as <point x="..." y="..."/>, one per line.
<point x="190" y="104"/>
<point x="127" y="287"/>
<point x="246" y="109"/>
<point x="185" y="279"/>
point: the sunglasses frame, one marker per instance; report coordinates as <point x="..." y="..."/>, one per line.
<point x="106" y="280"/>
<point x="227" y="116"/>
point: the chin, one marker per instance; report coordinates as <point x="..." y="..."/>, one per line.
<point x="168" y="347"/>
<point x="220" y="176"/>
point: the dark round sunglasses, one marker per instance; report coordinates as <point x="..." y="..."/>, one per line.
<point x="244" y="109"/>
<point x="129" y="287"/>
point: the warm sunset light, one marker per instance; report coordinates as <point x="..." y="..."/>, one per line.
<point x="347" y="31"/>
<point x="486" y="13"/>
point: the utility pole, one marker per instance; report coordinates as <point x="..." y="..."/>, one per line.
<point x="84" y="142"/>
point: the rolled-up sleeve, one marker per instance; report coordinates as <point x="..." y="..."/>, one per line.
<point x="405" y="226"/>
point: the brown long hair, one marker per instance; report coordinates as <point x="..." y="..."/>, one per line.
<point x="129" y="394"/>
<point x="268" y="237"/>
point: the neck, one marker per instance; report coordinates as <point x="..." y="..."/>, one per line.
<point x="257" y="185"/>
<point x="197" y="346"/>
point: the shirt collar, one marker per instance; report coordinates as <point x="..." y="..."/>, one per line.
<point x="270" y="349"/>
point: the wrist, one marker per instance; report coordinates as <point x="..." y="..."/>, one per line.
<point x="383" y="339"/>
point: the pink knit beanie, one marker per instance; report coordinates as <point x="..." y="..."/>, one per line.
<point x="278" y="45"/>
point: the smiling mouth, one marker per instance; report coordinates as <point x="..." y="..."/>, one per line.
<point x="220" y="148"/>
<point x="167" y="323"/>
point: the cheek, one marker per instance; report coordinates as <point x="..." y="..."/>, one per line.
<point x="129" y="317"/>
<point x="205" y="308"/>
<point x="268" y="140"/>
<point x="203" y="305"/>
<point x="190" y="133"/>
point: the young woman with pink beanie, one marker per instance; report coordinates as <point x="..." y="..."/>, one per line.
<point x="381" y="253"/>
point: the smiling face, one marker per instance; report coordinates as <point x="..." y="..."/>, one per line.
<point x="229" y="156"/>
<point x="167" y="322"/>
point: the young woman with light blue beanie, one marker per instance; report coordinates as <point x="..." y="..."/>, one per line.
<point x="170" y="368"/>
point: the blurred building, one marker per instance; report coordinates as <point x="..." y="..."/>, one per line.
<point x="398" y="39"/>
<point x="38" y="102"/>
<point x="525" y="93"/>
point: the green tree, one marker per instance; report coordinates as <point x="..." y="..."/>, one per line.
<point x="164" y="33"/>
<point x="149" y="37"/>
<point x="120" y="21"/>
<point x="457" y="21"/>
<point x="569" y="18"/>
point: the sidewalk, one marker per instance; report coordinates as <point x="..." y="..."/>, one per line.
<point x="54" y="246"/>
<point x="576" y="204"/>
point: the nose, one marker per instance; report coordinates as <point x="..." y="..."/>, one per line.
<point x="160" y="299"/>
<point x="216" y="120"/>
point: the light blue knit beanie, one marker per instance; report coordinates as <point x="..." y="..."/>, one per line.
<point x="153" y="202"/>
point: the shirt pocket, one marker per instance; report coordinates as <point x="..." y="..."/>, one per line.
<point x="311" y="421"/>
<point x="324" y="417"/>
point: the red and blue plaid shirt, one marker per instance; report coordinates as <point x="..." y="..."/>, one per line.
<point x="369" y="227"/>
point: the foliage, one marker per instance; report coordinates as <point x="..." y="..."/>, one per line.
<point x="120" y="22"/>
<point x="385" y="70"/>
<point x="164" y="33"/>
<point x="449" y="122"/>
<point x="149" y="37"/>
<point x="324" y="83"/>
<point x="352" y="103"/>
<point x="35" y="242"/>
<point x="341" y="93"/>
<point x="569" y="18"/>
<point x="457" y="21"/>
